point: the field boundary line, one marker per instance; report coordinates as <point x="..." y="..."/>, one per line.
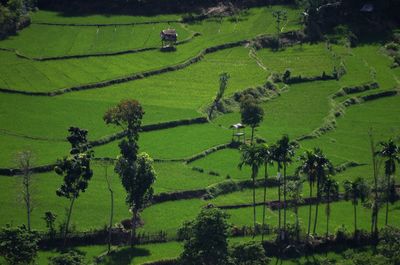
<point x="337" y="110"/>
<point x="106" y="24"/>
<point x="88" y="55"/>
<point x="237" y="185"/>
<point x="143" y="74"/>
<point x="19" y="135"/>
<point x="111" y="138"/>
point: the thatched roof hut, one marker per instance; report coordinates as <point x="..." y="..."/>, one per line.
<point x="169" y="35"/>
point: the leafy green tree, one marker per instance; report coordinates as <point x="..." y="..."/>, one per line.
<point x="390" y="152"/>
<point x="136" y="171"/>
<point x="223" y="84"/>
<point x="252" y="114"/>
<point x="356" y="191"/>
<point x="266" y="153"/>
<point x="18" y="245"/>
<point x="72" y="257"/>
<point x="284" y="152"/>
<point x="249" y="253"/>
<point x="206" y="242"/>
<point x="251" y="156"/>
<point x="75" y="170"/>
<point x="330" y="190"/>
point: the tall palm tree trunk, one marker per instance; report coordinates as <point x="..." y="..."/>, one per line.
<point x="328" y="215"/>
<point x="375" y="211"/>
<point x="387" y="199"/>
<point x="284" y="196"/>
<point x="355" y="218"/>
<point x="254" y="202"/>
<point x="265" y="201"/>
<point x="316" y="208"/>
<point x="296" y="209"/>
<point x="279" y="200"/>
<point x="252" y="135"/>
<point x="309" y="211"/>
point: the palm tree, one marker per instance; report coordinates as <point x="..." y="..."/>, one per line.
<point x="307" y="168"/>
<point x="284" y="152"/>
<point x="324" y="168"/>
<point x="330" y="190"/>
<point x="266" y="153"/>
<point x="316" y="167"/>
<point x="391" y="153"/>
<point x="251" y="156"/>
<point x="376" y="164"/>
<point x="356" y="191"/>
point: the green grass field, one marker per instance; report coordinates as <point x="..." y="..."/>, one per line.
<point x="40" y="123"/>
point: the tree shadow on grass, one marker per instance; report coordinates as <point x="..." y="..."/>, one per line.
<point x="125" y="256"/>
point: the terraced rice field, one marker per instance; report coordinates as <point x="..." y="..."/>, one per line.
<point x="39" y="122"/>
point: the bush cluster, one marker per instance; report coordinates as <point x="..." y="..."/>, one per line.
<point x="14" y="15"/>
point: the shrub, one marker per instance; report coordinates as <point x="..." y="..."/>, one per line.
<point x="73" y="257"/>
<point x="222" y="188"/>
<point x="286" y="75"/>
<point x="390" y="244"/>
<point x="213" y="173"/>
<point x="18" y="245"/>
<point x="249" y="253"/>
<point x="198" y="169"/>
<point x="392" y="46"/>
<point x="275" y="77"/>
<point x="342" y="234"/>
<point x="353" y="39"/>
<point x="396" y="59"/>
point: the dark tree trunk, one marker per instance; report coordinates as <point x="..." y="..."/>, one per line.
<point x="111" y="210"/>
<point x="355" y="218"/>
<point x="328" y="214"/>
<point x="254" y="202"/>
<point x="279" y="200"/>
<point x="28" y="200"/>
<point x="68" y="220"/>
<point x="309" y="211"/>
<point x="133" y="230"/>
<point x="284" y="196"/>
<point x="265" y="200"/>
<point x="316" y="208"/>
<point x="387" y="199"/>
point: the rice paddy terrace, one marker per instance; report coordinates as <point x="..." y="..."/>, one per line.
<point x="67" y="71"/>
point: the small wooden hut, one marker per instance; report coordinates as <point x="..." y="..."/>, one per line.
<point x="168" y="38"/>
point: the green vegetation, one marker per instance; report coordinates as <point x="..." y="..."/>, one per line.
<point x="307" y="112"/>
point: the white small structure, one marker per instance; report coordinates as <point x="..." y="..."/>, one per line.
<point x="238" y="132"/>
